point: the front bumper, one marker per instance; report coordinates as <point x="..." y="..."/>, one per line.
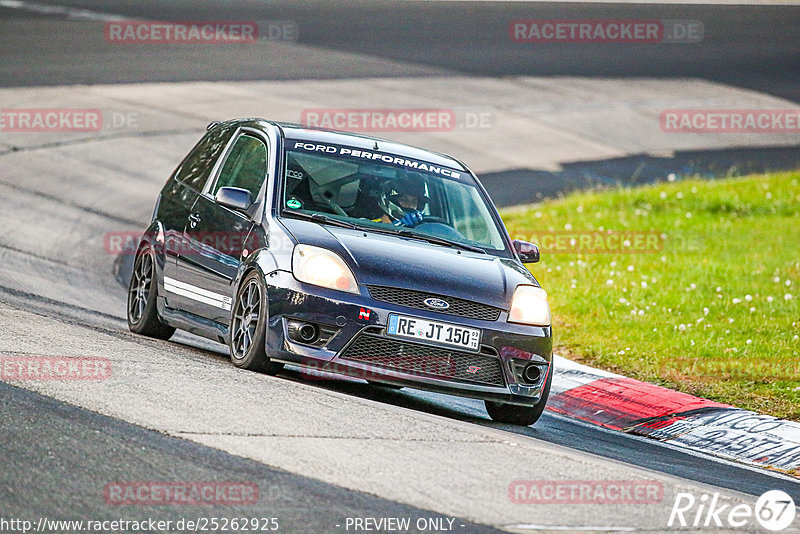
<point x="355" y="344"/>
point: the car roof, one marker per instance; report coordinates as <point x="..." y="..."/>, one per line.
<point x="321" y="135"/>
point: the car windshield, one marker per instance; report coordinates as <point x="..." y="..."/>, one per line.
<point x="385" y="192"/>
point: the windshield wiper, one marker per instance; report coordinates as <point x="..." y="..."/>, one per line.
<point x="322" y="218"/>
<point x="430" y="239"/>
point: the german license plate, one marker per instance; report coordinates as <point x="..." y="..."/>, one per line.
<point x="434" y="332"/>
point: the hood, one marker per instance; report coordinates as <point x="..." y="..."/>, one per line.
<point x="394" y="261"/>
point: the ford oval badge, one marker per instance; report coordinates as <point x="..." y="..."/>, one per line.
<point x="435" y="303"/>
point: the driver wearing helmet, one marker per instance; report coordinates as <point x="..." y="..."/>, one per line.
<point x="402" y="200"/>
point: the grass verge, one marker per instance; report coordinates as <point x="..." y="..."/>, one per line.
<point x="693" y="285"/>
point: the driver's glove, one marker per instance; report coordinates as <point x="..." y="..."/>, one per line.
<point x="410" y="219"/>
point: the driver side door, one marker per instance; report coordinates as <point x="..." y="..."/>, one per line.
<point x="217" y="238"/>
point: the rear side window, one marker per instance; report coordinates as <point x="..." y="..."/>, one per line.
<point x="196" y="167"/>
<point x="245" y="167"/>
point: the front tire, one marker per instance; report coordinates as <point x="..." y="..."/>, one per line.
<point x="249" y="326"/>
<point x="142" y="295"/>
<point x="520" y="415"/>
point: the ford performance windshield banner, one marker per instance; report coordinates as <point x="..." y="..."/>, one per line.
<point x="366" y="155"/>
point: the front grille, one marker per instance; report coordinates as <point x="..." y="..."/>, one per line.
<point x="424" y="360"/>
<point x="414" y="299"/>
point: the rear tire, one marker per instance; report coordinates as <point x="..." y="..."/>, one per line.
<point x="520" y="415"/>
<point x="249" y="317"/>
<point x="142" y="295"/>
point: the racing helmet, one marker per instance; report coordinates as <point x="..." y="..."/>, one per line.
<point x="406" y="184"/>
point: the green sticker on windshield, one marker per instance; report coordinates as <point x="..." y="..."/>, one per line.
<point x="294" y="203"/>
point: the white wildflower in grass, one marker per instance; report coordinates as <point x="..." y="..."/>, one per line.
<point x="748" y="298"/>
<point x="734" y="349"/>
<point x="641" y="312"/>
<point x="663" y="259"/>
<point x="700" y="320"/>
<point x="626" y="243"/>
<point x="770" y="299"/>
<point x="691" y="343"/>
<point x="633" y="312"/>
<point x="694" y="189"/>
<point x="612" y="273"/>
<point x="679" y="195"/>
<point x="549" y="270"/>
<point x="630" y="268"/>
<point x="568" y="226"/>
<point x="613" y="264"/>
<point x="693" y="286"/>
<point x="572" y="264"/>
<point x="796" y="337"/>
<point x="705" y="311"/>
<point x="573" y="286"/>
<point x="749" y="341"/>
<point x="719" y="296"/>
<point x="623" y="300"/>
<point x="681" y="327"/>
<point x="671" y="177"/>
<point x="788" y="283"/>
<point x="736" y="300"/>
<point x="727" y="331"/>
<point x="719" y="289"/>
<point x="730" y="319"/>
<point x="609" y="282"/>
<point x="644" y="284"/>
<point x="538" y="214"/>
<point x="663" y="195"/>
<point x="688" y="214"/>
<point x="752" y="309"/>
<point x="787" y="296"/>
<point x="579" y="209"/>
<point x="776" y="279"/>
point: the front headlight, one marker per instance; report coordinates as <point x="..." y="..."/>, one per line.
<point x="529" y="306"/>
<point x="321" y="267"/>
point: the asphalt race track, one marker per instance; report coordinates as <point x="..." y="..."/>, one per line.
<point x="319" y="449"/>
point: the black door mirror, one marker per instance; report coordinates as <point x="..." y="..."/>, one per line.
<point x="234" y="198"/>
<point x="527" y="252"/>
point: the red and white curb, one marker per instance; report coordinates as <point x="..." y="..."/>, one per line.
<point x="619" y="403"/>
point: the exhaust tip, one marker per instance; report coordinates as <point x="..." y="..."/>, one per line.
<point x="303" y="332"/>
<point x="532" y="373"/>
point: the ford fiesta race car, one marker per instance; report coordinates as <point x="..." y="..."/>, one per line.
<point x="346" y="254"/>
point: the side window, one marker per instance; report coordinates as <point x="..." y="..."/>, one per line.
<point x="196" y="167"/>
<point x="246" y="166"/>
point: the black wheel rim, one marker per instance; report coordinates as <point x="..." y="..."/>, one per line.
<point x="141" y="283"/>
<point x="245" y="319"/>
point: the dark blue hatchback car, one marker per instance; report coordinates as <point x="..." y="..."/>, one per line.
<point x="345" y="254"/>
